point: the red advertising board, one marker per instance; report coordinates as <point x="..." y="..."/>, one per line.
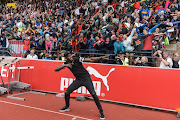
<point x="137" y="85"/>
<point x="6" y="74"/>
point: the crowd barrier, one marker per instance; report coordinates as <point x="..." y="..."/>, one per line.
<point x="153" y="87"/>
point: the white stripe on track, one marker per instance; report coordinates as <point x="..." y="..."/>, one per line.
<point x="44" y="110"/>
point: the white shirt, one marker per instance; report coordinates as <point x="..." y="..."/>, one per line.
<point x="32" y="57"/>
<point x="94" y="4"/>
<point x="20" y="24"/>
<point x="168" y="59"/>
<point x="77" y="11"/>
<point x="138" y="24"/>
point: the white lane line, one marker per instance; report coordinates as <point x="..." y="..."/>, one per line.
<point x="74" y="118"/>
<point x="44" y="110"/>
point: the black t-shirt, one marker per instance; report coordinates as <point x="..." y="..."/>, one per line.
<point x="138" y="42"/>
<point x="77" y="68"/>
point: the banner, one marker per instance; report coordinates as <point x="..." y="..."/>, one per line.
<point x="136" y="85"/>
<point x="5" y="73"/>
<point x="16" y="46"/>
<point x="13" y="5"/>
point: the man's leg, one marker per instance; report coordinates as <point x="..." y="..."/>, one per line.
<point x="89" y="85"/>
<point x="75" y="85"/>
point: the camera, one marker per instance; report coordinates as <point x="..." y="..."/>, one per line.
<point x="161" y="54"/>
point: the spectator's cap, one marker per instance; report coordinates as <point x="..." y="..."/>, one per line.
<point x="66" y="53"/>
<point x="46" y="54"/>
<point x="176" y="54"/>
<point x="63" y="51"/>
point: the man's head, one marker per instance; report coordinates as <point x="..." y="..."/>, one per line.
<point x="165" y="54"/>
<point x="144" y="59"/>
<point x="68" y="56"/>
<point x="32" y="51"/>
<point x="145" y="31"/>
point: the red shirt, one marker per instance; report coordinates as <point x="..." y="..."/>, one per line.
<point x="26" y="44"/>
<point x="148" y="42"/>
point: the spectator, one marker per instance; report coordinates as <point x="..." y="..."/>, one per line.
<point x="48" y="57"/>
<point x="118" y="46"/>
<point x="32" y="55"/>
<point x="141" y="62"/>
<point x="121" y="59"/>
<point x="48" y="44"/>
<point x="4" y="40"/>
<point x="176" y="63"/>
<point x="26" y="46"/>
<point x="166" y="61"/>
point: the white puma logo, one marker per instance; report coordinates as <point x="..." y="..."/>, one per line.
<point x="94" y="72"/>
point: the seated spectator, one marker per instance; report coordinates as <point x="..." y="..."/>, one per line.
<point x="121" y="59"/>
<point x="32" y="55"/>
<point x="176" y="62"/>
<point x="166" y="61"/>
<point x="48" y="57"/>
<point x="141" y="62"/>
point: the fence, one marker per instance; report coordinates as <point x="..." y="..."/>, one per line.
<point x="17" y="47"/>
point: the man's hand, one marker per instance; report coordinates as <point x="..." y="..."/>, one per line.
<point x="159" y="52"/>
<point x="105" y="57"/>
<point x="160" y="56"/>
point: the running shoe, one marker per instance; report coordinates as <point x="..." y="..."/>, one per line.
<point x="102" y="117"/>
<point x="64" y="109"/>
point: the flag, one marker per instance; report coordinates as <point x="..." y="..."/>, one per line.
<point x="13" y="5"/>
<point x="137" y="5"/>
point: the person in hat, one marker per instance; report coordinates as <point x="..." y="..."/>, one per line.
<point x="122" y="59"/>
<point x="82" y="78"/>
<point x="48" y="57"/>
<point x="176" y="62"/>
<point x="62" y="55"/>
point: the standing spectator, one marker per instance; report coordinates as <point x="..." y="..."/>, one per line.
<point x="118" y="46"/>
<point x="32" y="55"/>
<point x="26" y="45"/>
<point x="48" y="44"/>
<point x="4" y="40"/>
<point x="91" y="42"/>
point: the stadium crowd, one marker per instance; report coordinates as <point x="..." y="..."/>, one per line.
<point x="125" y="28"/>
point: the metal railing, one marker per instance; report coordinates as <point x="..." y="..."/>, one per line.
<point x="7" y="52"/>
<point x="97" y="53"/>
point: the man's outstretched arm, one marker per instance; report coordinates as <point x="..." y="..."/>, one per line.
<point x="94" y="59"/>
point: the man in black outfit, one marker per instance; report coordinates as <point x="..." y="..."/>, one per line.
<point x="82" y="79"/>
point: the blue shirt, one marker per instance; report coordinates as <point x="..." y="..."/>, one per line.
<point x="144" y="12"/>
<point x="118" y="47"/>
